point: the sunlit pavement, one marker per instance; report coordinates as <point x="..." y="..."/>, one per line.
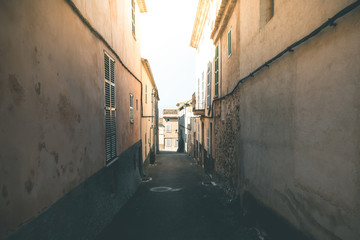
<point x="176" y="204"/>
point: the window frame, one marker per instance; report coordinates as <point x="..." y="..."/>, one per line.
<point x="146" y="93"/>
<point x="267" y="11"/>
<point x="216" y="62"/>
<point x="166" y="128"/>
<point x="133" y="29"/>
<point x="229" y="44"/>
<point x="109" y="108"/>
<point x="167" y="140"/>
<point x="208" y="90"/>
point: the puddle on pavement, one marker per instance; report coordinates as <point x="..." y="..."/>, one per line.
<point x="146" y="179"/>
<point x="210" y="183"/>
<point x="165" y="189"/>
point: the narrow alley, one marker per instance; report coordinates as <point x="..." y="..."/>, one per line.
<point x="179" y="202"/>
<point x="185" y="120"/>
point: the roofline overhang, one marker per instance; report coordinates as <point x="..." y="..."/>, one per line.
<point x="222" y="18"/>
<point x="199" y="23"/>
<point x="147" y="67"/>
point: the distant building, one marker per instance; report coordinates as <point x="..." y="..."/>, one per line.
<point x="170" y="122"/>
<point x="184" y="117"/>
<point x="161" y="135"/>
<point x="149" y="117"/>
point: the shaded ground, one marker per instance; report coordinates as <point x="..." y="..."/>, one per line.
<point x="189" y="210"/>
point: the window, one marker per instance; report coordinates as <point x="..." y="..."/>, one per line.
<point x="198" y="94"/>
<point x="146" y="95"/>
<point x="131" y="108"/>
<point x="168" y="142"/>
<point x="145" y="144"/>
<point x="133" y="15"/>
<point x="208" y="139"/>
<point x="137" y="105"/>
<point x="266" y="12"/>
<point x="168" y="128"/>
<point x="110" y="108"/>
<point x="210" y="147"/>
<point x="229" y="43"/>
<point x="208" y="90"/>
<point x="217" y="71"/>
<point x="176" y="143"/>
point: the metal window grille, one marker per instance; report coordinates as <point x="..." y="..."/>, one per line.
<point x="217" y="71"/>
<point x="110" y="108"/>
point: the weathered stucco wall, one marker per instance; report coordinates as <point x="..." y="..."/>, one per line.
<point x="147" y="126"/>
<point x="296" y="145"/>
<point x="52" y="104"/>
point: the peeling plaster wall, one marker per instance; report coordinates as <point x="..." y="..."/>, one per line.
<point x="290" y="135"/>
<point x="52" y="103"/>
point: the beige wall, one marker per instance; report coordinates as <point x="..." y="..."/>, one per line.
<point x="52" y="100"/>
<point x="173" y="135"/>
<point x="229" y="71"/>
<point x="297" y="147"/>
<point x="148" y="121"/>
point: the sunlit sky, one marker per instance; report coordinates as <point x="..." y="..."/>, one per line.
<point x="165" y="37"/>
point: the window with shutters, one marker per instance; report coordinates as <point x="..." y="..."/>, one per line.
<point x="217" y="71"/>
<point x="146" y="93"/>
<point x="133" y="15"/>
<point x="176" y="143"/>
<point x="131" y="108"/>
<point x="266" y="12"/>
<point x="198" y="94"/>
<point x="208" y="90"/>
<point x="145" y="143"/>
<point x="168" y="142"/>
<point x="110" y="108"/>
<point x="202" y="91"/>
<point x="168" y="128"/>
<point x="229" y="43"/>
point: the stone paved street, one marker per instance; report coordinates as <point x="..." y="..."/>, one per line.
<point x="176" y="204"/>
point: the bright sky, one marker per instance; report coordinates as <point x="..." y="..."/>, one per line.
<point x="165" y="37"/>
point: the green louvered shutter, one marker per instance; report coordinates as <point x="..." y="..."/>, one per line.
<point x="110" y="109"/>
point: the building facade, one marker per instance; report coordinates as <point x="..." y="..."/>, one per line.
<point x="170" y="122"/>
<point x="284" y="100"/>
<point x="149" y="118"/>
<point x="161" y="134"/>
<point x="70" y="125"/>
<point x="184" y="118"/>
